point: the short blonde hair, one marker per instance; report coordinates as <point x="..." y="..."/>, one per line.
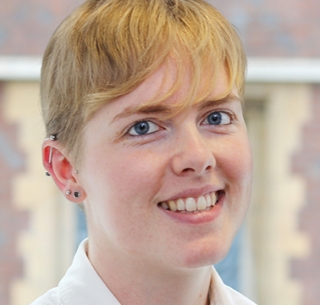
<point x="106" y="48"/>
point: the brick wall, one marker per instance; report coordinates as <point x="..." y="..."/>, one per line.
<point x="267" y="27"/>
<point x="276" y="28"/>
<point x="307" y="163"/>
<point x="12" y="221"/>
<point x="25" y="26"/>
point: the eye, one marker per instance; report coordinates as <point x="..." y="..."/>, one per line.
<point x="218" y="118"/>
<point x="142" y="128"/>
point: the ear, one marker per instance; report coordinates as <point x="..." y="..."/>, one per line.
<point x="62" y="171"/>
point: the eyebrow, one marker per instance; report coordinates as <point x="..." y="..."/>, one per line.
<point x="145" y="109"/>
<point x="165" y="109"/>
<point x="227" y="99"/>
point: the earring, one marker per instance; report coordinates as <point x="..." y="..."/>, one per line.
<point x="48" y="174"/>
<point x="68" y="192"/>
<point x="52" y="138"/>
<point x="76" y="194"/>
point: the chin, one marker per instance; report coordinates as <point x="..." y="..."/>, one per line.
<point x="207" y="255"/>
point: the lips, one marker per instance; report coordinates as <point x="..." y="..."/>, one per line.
<point x="191" y="204"/>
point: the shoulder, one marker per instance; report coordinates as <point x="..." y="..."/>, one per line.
<point x="239" y="298"/>
<point x="51" y="297"/>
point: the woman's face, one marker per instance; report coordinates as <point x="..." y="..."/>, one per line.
<point x="166" y="191"/>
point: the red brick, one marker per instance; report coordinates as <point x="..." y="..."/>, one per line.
<point x="12" y="221"/>
<point x="268" y="28"/>
<point x="306" y="163"/>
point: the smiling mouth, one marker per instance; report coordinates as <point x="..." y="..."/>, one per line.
<point x="190" y="204"/>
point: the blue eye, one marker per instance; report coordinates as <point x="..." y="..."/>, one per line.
<point x="143" y="128"/>
<point x="218" y="118"/>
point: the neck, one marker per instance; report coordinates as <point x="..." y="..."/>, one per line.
<point x="140" y="283"/>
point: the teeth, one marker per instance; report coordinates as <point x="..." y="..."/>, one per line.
<point x="213" y="198"/>
<point x="191" y="204"/>
<point x="209" y="200"/>
<point x="180" y="205"/>
<point x="201" y="204"/>
<point x="172" y="206"/>
<point x="165" y="205"/>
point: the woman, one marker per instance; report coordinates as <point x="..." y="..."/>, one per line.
<point x="142" y="105"/>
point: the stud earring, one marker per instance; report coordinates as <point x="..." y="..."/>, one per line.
<point x="68" y="192"/>
<point x="48" y="174"/>
<point x="76" y="194"/>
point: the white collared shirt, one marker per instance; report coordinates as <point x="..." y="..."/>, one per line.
<point x="81" y="285"/>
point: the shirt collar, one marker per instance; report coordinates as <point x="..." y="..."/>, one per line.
<point x="82" y="285"/>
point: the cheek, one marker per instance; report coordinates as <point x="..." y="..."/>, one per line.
<point x="236" y="167"/>
<point x="135" y="172"/>
<point x="121" y="191"/>
<point x="124" y="199"/>
<point x="238" y="160"/>
<point x="124" y="178"/>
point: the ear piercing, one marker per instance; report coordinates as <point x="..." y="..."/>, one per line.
<point x="76" y="194"/>
<point x="52" y="138"/>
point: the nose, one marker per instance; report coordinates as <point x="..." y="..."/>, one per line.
<point x="193" y="155"/>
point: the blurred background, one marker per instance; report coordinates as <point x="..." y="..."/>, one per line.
<point x="275" y="259"/>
